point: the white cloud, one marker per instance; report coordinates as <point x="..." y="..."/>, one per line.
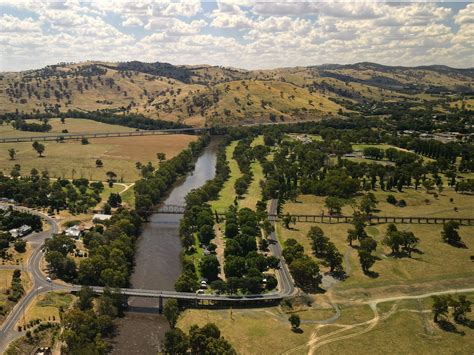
<point x="236" y="33"/>
<point x="10" y="23"/>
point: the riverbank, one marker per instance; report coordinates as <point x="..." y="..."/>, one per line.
<point x="158" y="265"/>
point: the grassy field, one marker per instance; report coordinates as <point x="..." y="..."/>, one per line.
<point x="250" y="331"/>
<point x="71" y="158"/>
<point x="419" y="333"/>
<point x="5" y="284"/>
<point x="46" y="307"/>
<point x="72" y="125"/>
<point x="437" y="260"/>
<point x="227" y="194"/>
<point x="358" y="330"/>
<point x="419" y="203"/>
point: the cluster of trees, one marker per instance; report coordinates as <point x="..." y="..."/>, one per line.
<point x="89" y="321"/>
<point x="129" y="120"/>
<point x="243" y="155"/>
<point x="14" y="219"/>
<point x="111" y="251"/>
<point x="400" y="242"/>
<point x="460" y="308"/>
<point x="244" y="265"/>
<point x="22" y="125"/>
<point x="16" y="290"/>
<point x="305" y="271"/>
<point x="199" y="220"/>
<point x="325" y="249"/>
<point x="200" y="340"/>
<point x="150" y="190"/>
<point x="465" y="186"/>
<point x="366" y="243"/>
<point x="37" y="190"/>
<point x="436" y="149"/>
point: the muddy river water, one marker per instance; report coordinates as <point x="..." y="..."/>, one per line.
<point x="157" y="265"/>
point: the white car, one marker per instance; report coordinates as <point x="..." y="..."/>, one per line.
<point x="200" y="292"/>
<point x="48" y="279"/>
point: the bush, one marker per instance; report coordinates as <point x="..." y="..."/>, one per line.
<point x="20" y="246"/>
<point x="391" y="199"/>
<point x="402" y="203"/>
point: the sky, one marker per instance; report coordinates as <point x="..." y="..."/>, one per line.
<point x="243" y="34"/>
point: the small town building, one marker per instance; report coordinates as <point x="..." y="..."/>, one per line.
<point x="101" y="217"/>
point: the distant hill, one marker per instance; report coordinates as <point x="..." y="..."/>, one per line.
<point x="213" y="94"/>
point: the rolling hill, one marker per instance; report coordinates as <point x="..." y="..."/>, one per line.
<point x="206" y="94"/>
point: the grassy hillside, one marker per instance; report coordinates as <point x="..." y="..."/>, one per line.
<point x="212" y="94"/>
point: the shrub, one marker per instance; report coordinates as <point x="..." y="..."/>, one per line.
<point x="391" y="199"/>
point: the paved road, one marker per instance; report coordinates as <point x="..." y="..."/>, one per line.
<point x="8" y="332"/>
<point x="39" y="284"/>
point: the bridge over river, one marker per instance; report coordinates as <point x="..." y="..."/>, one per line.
<point x="331" y="219"/>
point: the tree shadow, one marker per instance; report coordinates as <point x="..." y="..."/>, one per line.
<point x="467" y="323"/>
<point x="460" y="245"/>
<point x="297" y="330"/>
<point x="447" y="326"/>
<point x="372" y="274"/>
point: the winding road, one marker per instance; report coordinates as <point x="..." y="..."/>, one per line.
<point x="8" y="332"/>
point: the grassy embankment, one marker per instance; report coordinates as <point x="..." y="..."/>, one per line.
<point x="5" y="283"/>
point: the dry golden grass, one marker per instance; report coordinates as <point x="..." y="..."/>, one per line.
<point x="419" y="203"/>
<point x="45" y="307"/>
<point x="72" y="158"/>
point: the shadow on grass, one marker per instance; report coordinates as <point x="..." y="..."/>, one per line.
<point x="297" y="330"/>
<point x="372" y="274"/>
<point x="447" y="326"/>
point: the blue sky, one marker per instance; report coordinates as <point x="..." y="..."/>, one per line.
<point x="241" y="34"/>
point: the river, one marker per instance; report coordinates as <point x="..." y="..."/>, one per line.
<point x="158" y="265"/>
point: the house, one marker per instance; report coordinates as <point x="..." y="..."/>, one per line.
<point x="101" y="217"/>
<point x="21" y="231"/>
<point x="74" y="232"/>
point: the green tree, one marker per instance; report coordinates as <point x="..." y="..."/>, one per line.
<point x="295" y="321"/>
<point x="85" y="298"/>
<point x="176" y="342"/>
<point x="161" y="157"/>
<point x="366" y="260"/>
<point x="39" y="148"/>
<point x="20" y="245"/>
<point x="461" y="307"/>
<point x="12" y="153"/>
<point x="171" y="312"/>
<point x="440" y="306"/>
<point x="450" y="233"/>
<point x="305" y="272"/>
<point x="368" y="203"/>
<point x="334" y="205"/>
<point x="209" y="267"/>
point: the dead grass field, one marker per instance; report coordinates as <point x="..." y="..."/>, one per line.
<point x="358" y="330"/>
<point x="437" y="260"/>
<point x="419" y="203"/>
<point x="72" y="158"/>
<point x="73" y="125"/>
